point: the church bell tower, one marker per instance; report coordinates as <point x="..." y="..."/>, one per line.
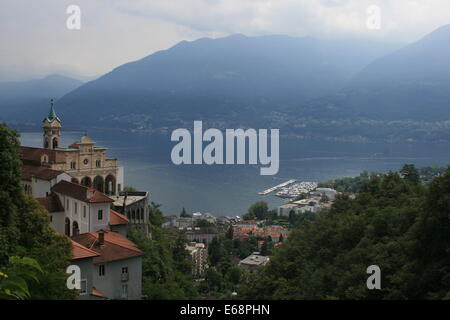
<point x="52" y="129"/>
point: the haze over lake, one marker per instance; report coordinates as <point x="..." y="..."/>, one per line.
<point x="231" y="189"/>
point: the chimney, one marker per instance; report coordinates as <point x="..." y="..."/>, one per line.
<point x="101" y="238"/>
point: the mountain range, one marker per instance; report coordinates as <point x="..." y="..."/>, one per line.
<point x="268" y="80"/>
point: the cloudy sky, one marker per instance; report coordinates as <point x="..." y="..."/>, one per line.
<point x="35" y="40"/>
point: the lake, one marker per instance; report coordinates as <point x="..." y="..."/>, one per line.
<point x="231" y="189"/>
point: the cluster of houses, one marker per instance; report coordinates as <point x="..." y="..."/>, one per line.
<point x="317" y="200"/>
<point x="82" y="191"/>
<point x="245" y="229"/>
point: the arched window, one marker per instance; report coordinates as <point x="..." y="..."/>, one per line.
<point x="46" y="143"/>
<point x="86" y="181"/>
<point x="75" y="229"/>
<point x="99" y="183"/>
<point x="67" y="227"/>
<point x="55" y="143"/>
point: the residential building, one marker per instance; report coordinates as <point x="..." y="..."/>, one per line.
<point x="254" y="261"/>
<point x="83" y="258"/>
<point x="84" y="209"/>
<point x="37" y="180"/>
<point x="199" y="257"/>
<point x="285" y="209"/>
<point x="329" y="193"/>
<point x="116" y="270"/>
<point x="203" y="235"/>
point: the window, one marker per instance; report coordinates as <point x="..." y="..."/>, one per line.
<point x="85" y="161"/>
<point x="100" y="214"/>
<point x="83" y="287"/>
<point x="125" y="270"/>
<point x="98" y="163"/>
<point x="67" y="204"/>
<point x="84" y="211"/>
<point x="51" y="218"/>
<point x="101" y="270"/>
<point x="76" y="208"/>
<point x="124" y="291"/>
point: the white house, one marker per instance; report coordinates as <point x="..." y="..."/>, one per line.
<point x="116" y="268"/>
<point x="38" y="180"/>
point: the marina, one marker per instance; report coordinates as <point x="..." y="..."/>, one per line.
<point x="297" y="189"/>
<point x="282" y="185"/>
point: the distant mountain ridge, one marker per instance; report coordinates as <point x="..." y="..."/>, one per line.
<point x="234" y="79"/>
<point x="411" y="83"/>
<point x="29" y="98"/>
<point x="335" y="89"/>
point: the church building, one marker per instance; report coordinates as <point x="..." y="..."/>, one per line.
<point x="83" y="160"/>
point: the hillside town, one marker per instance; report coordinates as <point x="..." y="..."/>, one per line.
<point x="83" y="191"/>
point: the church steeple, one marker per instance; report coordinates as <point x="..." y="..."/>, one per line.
<point x="52" y="129"/>
<point x="52" y="113"/>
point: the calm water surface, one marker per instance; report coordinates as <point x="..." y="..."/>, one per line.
<point x="231" y="189"/>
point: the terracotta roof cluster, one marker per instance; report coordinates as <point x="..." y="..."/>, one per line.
<point x="80" y="252"/>
<point x="79" y="192"/>
<point x="114" y="247"/>
<point x="41" y="172"/>
<point x="51" y="203"/>
<point x="116" y="218"/>
<point x="244" y="232"/>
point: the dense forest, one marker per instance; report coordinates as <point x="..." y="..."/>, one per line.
<point x="395" y="222"/>
<point x="354" y="184"/>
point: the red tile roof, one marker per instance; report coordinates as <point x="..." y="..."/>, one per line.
<point x="80" y="192"/>
<point x="40" y="172"/>
<point x="116" y="218"/>
<point x="80" y="252"/>
<point x="97" y="293"/>
<point x="51" y="203"/>
<point x="115" y="247"/>
<point x="35" y="154"/>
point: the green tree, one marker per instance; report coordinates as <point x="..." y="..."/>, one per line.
<point x="410" y="173"/>
<point x="15" y="279"/>
<point x="166" y="272"/>
<point x="203" y="223"/>
<point x="258" y="210"/>
<point x="25" y="229"/>
<point x="213" y="279"/>
<point x="184" y="214"/>
<point x="10" y="191"/>
<point x="402" y="227"/>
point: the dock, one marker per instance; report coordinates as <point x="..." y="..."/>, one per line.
<point x="282" y="185"/>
